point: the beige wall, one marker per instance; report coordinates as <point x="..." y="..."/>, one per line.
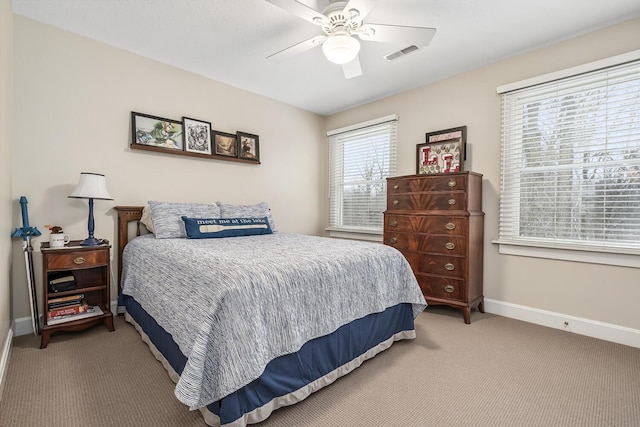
<point x="597" y="292"/>
<point x="6" y="126"/>
<point x="73" y="98"/>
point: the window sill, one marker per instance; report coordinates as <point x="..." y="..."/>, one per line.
<point x="592" y="256"/>
<point x="354" y="234"/>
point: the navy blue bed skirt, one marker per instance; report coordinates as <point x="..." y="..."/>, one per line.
<point x="291" y="372"/>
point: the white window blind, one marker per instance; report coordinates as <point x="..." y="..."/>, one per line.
<point x="361" y="157"/>
<point x="570" y="172"/>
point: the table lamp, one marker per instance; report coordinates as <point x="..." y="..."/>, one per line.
<point x="91" y="186"/>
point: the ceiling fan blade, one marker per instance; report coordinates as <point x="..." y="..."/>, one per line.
<point x="419" y="36"/>
<point x="352" y="69"/>
<point x="362" y="6"/>
<point x="303" y="11"/>
<point x="291" y="51"/>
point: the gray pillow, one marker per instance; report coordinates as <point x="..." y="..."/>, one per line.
<point x="258" y="210"/>
<point x="167" y="217"/>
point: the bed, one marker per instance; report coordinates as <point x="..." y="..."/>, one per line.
<point x="245" y="324"/>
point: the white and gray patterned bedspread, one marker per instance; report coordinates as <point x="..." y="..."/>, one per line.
<point x="234" y="304"/>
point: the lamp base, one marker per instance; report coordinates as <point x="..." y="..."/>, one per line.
<point x="91" y="241"/>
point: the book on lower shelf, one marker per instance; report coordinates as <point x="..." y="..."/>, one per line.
<point x="66" y="298"/>
<point x="69" y="301"/>
<point x="65" y="310"/>
<point x="92" y="311"/>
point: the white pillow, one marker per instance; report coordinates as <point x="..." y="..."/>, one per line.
<point x="146" y="218"/>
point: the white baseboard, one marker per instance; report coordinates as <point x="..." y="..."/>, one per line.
<point x="4" y="359"/>
<point x="577" y="325"/>
<point x="22" y="326"/>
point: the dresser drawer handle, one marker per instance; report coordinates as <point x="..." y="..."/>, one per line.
<point x="394" y="223"/>
<point x="452" y="201"/>
<point x="449" y="266"/>
<point x="449" y="288"/>
<point x="450" y="226"/>
<point x="79" y="260"/>
<point x="395" y="187"/>
<point x="452" y="183"/>
<point x="395" y="202"/>
<point x="450" y="246"/>
<point x="394" y="240"/>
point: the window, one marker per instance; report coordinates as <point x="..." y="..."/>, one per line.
<point x="570" y="174"/>
<point x="361" y="157"/>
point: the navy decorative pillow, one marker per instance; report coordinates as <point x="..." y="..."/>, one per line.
<point x="205" y="228"/>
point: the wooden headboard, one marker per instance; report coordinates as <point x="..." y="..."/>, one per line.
<point x="126" y="214"/>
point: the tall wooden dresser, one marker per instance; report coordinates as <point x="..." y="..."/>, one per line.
<point x="437" y="222"/>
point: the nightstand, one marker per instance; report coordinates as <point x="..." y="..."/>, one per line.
<point x="88" y="267"/>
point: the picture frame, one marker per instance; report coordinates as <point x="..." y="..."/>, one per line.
<point x="443" y="151"/>
<point x="197" y="136"/>
<point x="248" y="146"/>
<point x="225" y="144"/>
<point x="154" y="131"/>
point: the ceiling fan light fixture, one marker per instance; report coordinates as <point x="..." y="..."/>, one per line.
<point x="341" y="49"/>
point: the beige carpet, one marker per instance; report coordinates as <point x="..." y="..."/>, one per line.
<point x="494" y="372"/>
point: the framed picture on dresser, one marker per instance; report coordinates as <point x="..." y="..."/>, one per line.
<point x="443" y="151"/>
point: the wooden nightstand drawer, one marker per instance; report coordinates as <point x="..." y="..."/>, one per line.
<point x="75" y="260"/>
<point x="419" y="184"/>
<point x="427" y="243"/>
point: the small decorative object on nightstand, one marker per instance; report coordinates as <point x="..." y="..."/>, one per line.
<point x="76" y="288"/>
<point x="57" y="238"/>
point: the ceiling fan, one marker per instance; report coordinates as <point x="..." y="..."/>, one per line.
<point x="342" y="24"/>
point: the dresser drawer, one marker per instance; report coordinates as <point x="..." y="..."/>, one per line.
<point x="433" y="243"/>
<point x="76" y="260"/>
<point x="432" y="224"/>
<point x="419" y="184"/>
<point x="443" y="265"/>
<point x="442" y="287"/>
<point x="428" y="201"/>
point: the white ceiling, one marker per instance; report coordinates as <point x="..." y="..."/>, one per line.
<point x="229" y="40"/>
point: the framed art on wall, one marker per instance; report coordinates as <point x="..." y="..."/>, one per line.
<point x="225" y="144"/>
<point x="444" y="151"/>
<point x="197" y="136"/>
<point x="248" y="146"/>
<point x="191" y="138"/>
<point x="156" y="131"/>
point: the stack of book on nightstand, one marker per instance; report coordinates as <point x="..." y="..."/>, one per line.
<point x="68" y="308"/>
